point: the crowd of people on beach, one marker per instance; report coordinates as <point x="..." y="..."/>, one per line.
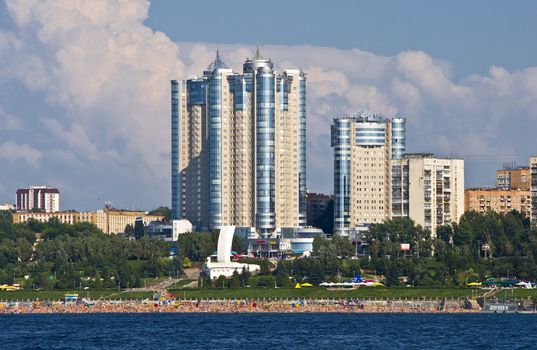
<point x="225" y="306"/>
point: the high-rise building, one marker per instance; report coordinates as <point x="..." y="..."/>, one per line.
<point x="513" y="177"/>
<point x="239" y="147"/>
<point x="38" y="197"/>
<point x="316" y="204"/>
<point x="364" y="145"/>
<point x="498" y="200"/>
<point x="428" y="190"/>
<point x="533" y="186"/>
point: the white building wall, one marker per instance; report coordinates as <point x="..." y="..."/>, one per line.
<point x="435" y="190"/>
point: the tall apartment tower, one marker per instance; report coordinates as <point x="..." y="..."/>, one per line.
<point x="38" y="197"/>
<point x="364" y="145"/>
<point x="239" y="147"/>
<point x="533" y="189"/>
<point x="430" y="190"/>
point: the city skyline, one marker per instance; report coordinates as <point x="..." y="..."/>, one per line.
<point x="96" y="126"/>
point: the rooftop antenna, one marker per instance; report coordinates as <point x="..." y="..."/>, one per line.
<point x="257" y="52"/>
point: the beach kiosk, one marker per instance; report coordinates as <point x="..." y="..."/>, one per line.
<point x="70" y="298"/>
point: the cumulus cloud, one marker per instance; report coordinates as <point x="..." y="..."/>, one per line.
<point x="105" y="76"/>
<point x="475" y="118"/>
<point x="8" y="121"/>
<point x="109" y="74"/>
<point x="13" y="151"/>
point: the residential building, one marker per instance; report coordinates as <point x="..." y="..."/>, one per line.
<point x="364" y="145"/>
<point x="7" y="207"/>
<point x="239" y="147"/>
<point x="107" y="220"/>
<point x="38" y="197"/>
<point x="316" y="204"/>
<point x="533" y="179"/>
<point x="513" y="177"/>
<point x="498" y="200"/>
<point x="65" y="217"/>
<point x="428" y="190"/>
<point x="115" y="221"/>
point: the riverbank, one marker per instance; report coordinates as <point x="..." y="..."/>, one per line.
<point x="236" y="306"/>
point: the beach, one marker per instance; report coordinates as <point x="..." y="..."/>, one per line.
<point x="234" y="306"/>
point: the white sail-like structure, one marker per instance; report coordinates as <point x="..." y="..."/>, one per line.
<point x="223" y="265"/>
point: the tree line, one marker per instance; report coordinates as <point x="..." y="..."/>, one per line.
<point x="480" y="246"/>
<point x="55" y="255"/>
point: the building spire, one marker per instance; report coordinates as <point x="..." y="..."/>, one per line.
<point x="217" y="63"/>
<point x="257" y="53"/>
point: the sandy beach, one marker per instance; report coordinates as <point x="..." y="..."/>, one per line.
<point x="230" y="306"/>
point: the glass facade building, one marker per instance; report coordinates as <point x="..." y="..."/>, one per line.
<point x="341" y="141"/>
<point x="364" y="146"/>
<point x="248" y="133"/>
<point x="176" y="195"/>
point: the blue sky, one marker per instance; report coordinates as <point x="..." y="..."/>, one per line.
<point x="472" y="35"/>
<point x="84" y="85"/>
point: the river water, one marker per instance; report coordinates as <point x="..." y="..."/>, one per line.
<point x="268" y="331"/>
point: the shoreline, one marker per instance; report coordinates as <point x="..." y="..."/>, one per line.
<point x="229" y="307"/>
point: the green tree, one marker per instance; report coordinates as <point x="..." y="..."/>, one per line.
<point x="245" y="277"/>
<point x="221" y="282"/>
<point x="162" y="211"/>
<point x="392" y="274"/>
<point x="235" y="281"/>
<point x="265" y="281"/>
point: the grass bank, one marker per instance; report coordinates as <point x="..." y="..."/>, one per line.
<point x="60" y="294"/>
<point x="317" y="292"/>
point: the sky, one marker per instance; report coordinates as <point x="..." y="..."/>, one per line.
<point x="85" y="100"/>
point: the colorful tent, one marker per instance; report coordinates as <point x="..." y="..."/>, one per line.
<point x="474" y="284"/>
<point x="297" y="286"/>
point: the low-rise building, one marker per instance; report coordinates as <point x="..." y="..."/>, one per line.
<point x="64" y="217"/>
<point x="6" y="207"/>
<point x="107" y="220"/>
<point x="115" y="221"/>
<point x="168" y="231"/>
<point x="498" y="200"/>
<point x="285" y="241"/>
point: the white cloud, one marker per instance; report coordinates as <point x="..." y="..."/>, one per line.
<point x="8" y="121"/>
<point x="13" y="151"/>
<point x="108" y="76"/>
